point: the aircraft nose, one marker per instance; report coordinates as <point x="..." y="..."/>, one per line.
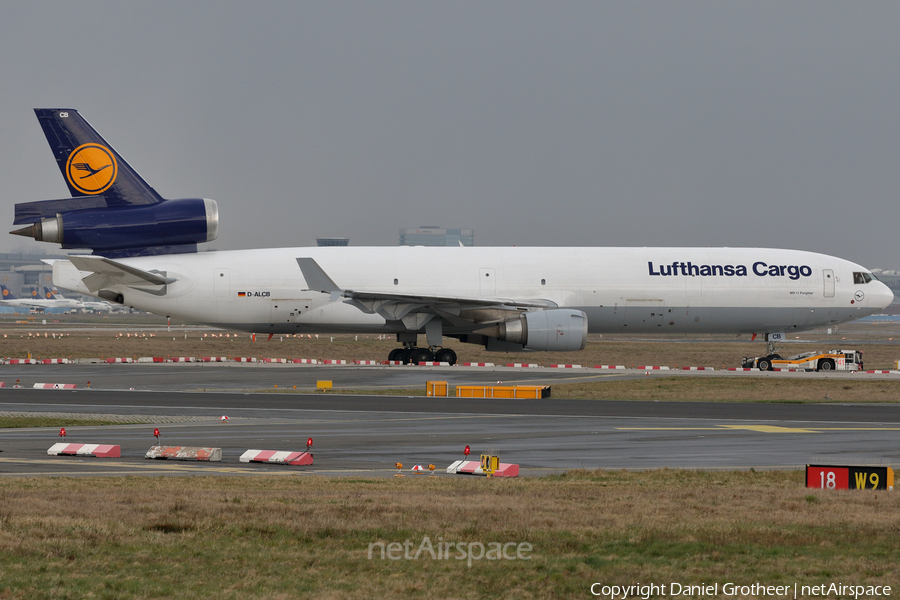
<point x="886" y="296"/>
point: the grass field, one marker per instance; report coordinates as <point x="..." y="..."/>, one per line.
<point x="297" y="536"/>
<point x="309" y="537"/>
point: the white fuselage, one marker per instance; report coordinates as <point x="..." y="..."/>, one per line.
<point x="621" y="290"/>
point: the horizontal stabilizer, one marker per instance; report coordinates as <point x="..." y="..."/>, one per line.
<point x="32" y="212"/>
<point x="107" y="272"/>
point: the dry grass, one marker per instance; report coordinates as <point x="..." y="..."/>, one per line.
<point x="734" y="389"/>
<point x="673" y="351"/>
<point x="292" y="537"/>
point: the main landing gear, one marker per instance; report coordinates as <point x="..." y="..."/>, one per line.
<point x="411" y="355"/>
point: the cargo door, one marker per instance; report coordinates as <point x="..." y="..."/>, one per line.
<point x="828" y="276"/>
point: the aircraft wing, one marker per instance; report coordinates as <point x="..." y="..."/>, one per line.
<point x="108" y="272"/>
<point x="396" y="306"/>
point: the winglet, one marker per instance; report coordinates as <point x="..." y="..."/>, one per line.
<point x="317" y="279"/>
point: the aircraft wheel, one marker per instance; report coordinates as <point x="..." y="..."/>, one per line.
<point x="420" y="355"/>
<point x="445" y="355"/>
<point x="396" y="354"/>
<point x="763" y="364"/>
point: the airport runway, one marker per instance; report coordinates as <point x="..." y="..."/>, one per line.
<point x="255" y="377"/>
<point x="367" y="435"/>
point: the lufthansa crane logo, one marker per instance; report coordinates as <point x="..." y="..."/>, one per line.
<point x="91" y="168"/>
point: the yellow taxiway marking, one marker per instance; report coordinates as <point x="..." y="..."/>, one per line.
<point x="762" y="428"/>
<point x="770" y="429"/>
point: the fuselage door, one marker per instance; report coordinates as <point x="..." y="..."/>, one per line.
<point x="828" y="276"/>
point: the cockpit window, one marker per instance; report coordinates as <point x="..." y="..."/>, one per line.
<point x="861" y="278"/>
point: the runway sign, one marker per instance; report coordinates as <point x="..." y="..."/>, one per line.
<point x="849" y="478"/>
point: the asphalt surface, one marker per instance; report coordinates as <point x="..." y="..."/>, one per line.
<point x="364" y="434"/>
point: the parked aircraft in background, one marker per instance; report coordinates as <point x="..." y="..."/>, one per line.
<point x="506" y="299"/>
<point x="53" y="294"/>
<point x="35" y="301"/>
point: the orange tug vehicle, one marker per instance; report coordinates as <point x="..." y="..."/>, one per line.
<point x="833" y="360"/>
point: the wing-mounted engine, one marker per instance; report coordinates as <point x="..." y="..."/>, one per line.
<point x="557" y="330"/>
<point x="113" y="211"/>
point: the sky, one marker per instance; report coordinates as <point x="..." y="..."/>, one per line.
<point x="770" y="123"/>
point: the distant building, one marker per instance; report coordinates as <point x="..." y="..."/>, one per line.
<point x="332" y="241"/>
<point x="22" y="272"/>
<point x="428" y="235"/>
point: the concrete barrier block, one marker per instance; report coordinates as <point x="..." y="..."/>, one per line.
<point x="98" y="450"/>
<point x="277" y="457"/>
<point x="473" y="467"/>
<point x="185" y="453"/>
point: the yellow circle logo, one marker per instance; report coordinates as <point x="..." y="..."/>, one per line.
<point x="91" y="168"/>
<point x="5" y="292"/>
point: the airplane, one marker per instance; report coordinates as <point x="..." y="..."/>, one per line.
<point x="144" y="255"/>
<point x="63" y="302"/>
<point x="34" y="302"/>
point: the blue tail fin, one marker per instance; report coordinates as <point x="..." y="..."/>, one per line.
<point x="113" y="211"/>
<point x="7" y="293"/>
<point x="88" y="164"/>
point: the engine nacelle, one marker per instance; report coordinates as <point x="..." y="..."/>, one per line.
<point x="169" y="223"/>
<point x="557" y="330"/>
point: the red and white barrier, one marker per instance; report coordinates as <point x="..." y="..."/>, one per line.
<point x="478" y="364"/>
<point x="98" y="450"/>
<point x="54" y="386"/>
<point x="609" y="366"/>
<point x="180" y="359"/>
<point x="275" y="360"/>
<point x="185" y="453"/>
<point x="2" y="384"/>
<point x="697" y="369"/>
<point x="366" y="362"/>
<point x="22" y="361"/>
<point x="334" y="362"/>
<point x="282" y="458"/>
<point x="55" y="361"/>
<point x="881" y="372"/>
<point x="305" y="361"/>
<point x="473" y="467"/>
<point x="151" y="359"/>
<point x="213" y="359"/>
<point x="649" y="368"/>
<point x="523" y="365"/>
<point x="393" y="363"/>
<point x="565" y="366"/>
<point x="119" y="360"/>
<point x="244" y="360"/>
<point x="739" y="369"/>
<point x="432" y="363"/>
